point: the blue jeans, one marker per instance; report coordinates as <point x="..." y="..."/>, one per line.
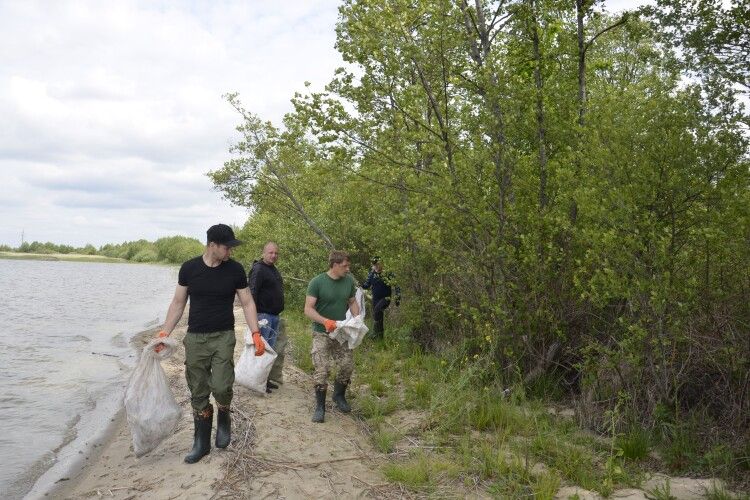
<point x="271" y="331"/>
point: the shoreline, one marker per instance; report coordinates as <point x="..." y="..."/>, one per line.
<point x="77" y="257"/>
<point x="93" y="436"/>
<point x="72" y="257"/>
<point x="276" y="451"/>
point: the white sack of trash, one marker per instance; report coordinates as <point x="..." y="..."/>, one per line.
<point x="352" y="330"/>
<point x="151" y="409"/>
<point x="252" y="371"/>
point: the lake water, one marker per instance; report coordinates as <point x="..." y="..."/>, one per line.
<point x="65" y="356"/>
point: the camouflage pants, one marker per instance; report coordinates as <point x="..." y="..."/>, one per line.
<point x="325" y="352"/>
<point x="209" y="367"/>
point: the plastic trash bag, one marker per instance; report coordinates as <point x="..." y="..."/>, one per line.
<point x="151" y="408"/>
<point x="359" y="296"/>
<point x="353" y="329"/>
<point x="252" y="371"/>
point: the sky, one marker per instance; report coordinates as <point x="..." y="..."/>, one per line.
<point x="111" y="113"/>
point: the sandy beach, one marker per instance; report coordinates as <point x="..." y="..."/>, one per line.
<point x="276" y="451"/>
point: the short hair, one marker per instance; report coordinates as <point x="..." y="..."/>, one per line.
<point x="337" y="257"/>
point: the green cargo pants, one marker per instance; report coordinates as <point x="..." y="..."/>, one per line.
<point x="209" y="367"/>
<point x="278" y="365"/>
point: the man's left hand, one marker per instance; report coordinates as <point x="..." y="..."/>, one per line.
<point x="160" y="347"/>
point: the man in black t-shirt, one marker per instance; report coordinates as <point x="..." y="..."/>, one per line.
<point x="211" y="281"/>
<point x="267" y="288"/>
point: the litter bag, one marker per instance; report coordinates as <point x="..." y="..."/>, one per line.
<point x="150" y="406"/>
<point x="252" y="371"/>
<point x="352" y="330"/>
<point x="359" y="296"/>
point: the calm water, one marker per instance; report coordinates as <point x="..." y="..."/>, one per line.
<point x="65" y="355"/>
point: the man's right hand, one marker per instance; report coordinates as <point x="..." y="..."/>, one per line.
<point x="159" y="347"/>
<point x="330" y="325"/>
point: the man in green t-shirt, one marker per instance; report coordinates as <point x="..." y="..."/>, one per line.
<point x="329" y="296"/>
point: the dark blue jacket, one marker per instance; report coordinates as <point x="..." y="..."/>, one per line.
<point x="381" y="286"/>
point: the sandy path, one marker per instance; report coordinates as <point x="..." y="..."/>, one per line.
<point x="282" y="454"/>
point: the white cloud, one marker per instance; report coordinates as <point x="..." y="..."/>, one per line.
<point x="112" y="112"/>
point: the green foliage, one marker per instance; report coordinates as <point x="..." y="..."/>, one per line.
<point x="44" y="248"/>
<point x="514" y="480"/>
<point x="177" y="249"/>
<point x="635" y="444"/>
<point x="385" y="440"/>
<point x="300" y="339"/>
<point x="718" y="492"/>
<point x="542" y="241"/>
<point x="420" y="472"/>
<point x="662" y="491"/>
<point x="680" y="451"/>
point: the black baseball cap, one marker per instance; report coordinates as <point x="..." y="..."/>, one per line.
<point x="223" y="235"/>
<point x="375" y="259"/>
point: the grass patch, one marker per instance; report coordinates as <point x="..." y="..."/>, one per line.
<point x="371" y="406"/>
<point x="493" y="413"/>
<point x="385" y="441"/>
<point x="718" y="492"/>
<point x="422" y="472"/>
<point x="575" y="463"/>
<point x="661" y="492"/>
<point x="486" y="439"/>
<point x="635" y="444"/>
<point x="419" y="394"/>
<point x="681" y="449"/>
<point x="299" y="331"/>
<point x="514" y="480"/>
<point x="546" y="387"/>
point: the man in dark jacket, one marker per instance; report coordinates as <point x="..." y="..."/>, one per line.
<point x="267" y="288"/>
<point x="382" y="290"/>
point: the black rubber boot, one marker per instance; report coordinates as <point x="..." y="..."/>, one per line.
<point x="203" y="421"/>
<point x="320" y="401"/>
<point x="223" y="426"/>
<point x="271" y="385"/>
<point x="339" y="396"/>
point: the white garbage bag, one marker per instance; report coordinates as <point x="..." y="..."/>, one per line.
<point x="352" y="330"/>
<point x="151" y="408"/>
<point x="252" y="371"/>
<point x="359" y="296"/>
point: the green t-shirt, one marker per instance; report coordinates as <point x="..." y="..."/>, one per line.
<point x="333" y="297"/>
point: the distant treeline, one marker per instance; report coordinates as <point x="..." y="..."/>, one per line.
<point x="172" y="249"/>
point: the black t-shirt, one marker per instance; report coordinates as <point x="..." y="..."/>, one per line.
<point x="267" y="288"/>
<point x="211" y="291"/>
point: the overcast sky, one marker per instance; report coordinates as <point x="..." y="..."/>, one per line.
<point x="111" y="111"/>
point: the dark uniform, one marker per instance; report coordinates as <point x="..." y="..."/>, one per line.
<point x="381" y="298"/>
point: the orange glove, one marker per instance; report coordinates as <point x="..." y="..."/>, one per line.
<point x="260" y="347"/>
<point x="159" y="347"/>
<point x="330" y="325"/>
